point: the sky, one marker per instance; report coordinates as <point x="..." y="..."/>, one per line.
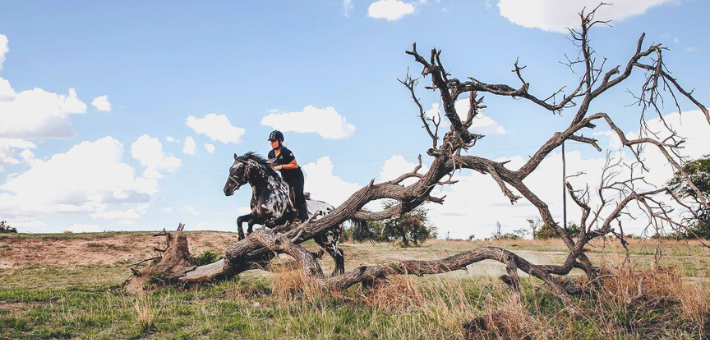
<point x="125" y="115"/>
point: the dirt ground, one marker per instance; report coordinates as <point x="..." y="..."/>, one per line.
<point x="18" y="251"/>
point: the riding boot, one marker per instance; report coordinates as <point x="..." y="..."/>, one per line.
<point x="303" y="212"/>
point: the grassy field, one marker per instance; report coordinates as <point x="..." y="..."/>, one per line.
<point x="68" y="286"/>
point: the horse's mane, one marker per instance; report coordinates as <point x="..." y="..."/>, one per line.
<point x="251" y="155"/>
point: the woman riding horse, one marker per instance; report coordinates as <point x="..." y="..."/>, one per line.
<point x="282" y="159"/>
<point x="270" y="204"/>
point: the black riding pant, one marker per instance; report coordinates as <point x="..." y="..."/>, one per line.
<point x="295" y="184"/>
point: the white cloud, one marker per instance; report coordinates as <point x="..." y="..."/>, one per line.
<point x="7" y="154"/>
<point x="170" y="139"/>
<point x="209" y="147"/>
<point x="37" y="114"/>
<point x="325" y="122"/>
<point x="481" y="123"/>
<point x="476" y="203"/>
<point x="202" y="225"/>
<point x="84" y="228"/>
<point x="324" y="185"/>
<point x="3" y="49"/>
<point x="101" y="103"/>
<point x="149" y="151"/>
<point x="86" y="178"/>
<point x="217" y="127"/>
<point x="189" y="148"/>
<point x="7" y="93"/>
<point x="347" y="7"/>
<point x="389" y="9"/>
<point x="396" y="166"/>
<point x="557" y="15"/>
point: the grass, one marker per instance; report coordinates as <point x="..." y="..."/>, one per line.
<point x="86" y="302"/>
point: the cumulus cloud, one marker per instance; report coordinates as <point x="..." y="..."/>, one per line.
<point x="481" y="123"/>
<point x="217" y="127"/>
<point x="7" y="93"/>
<point x="324" y="185"/>
<point x="3" y="49"/>
<point x="328" y="123"/>
<point x="557" y="15"/>
<point x="190" y="147"/>
<point x="396" y="166"/>
<point x="149" y="151"/>
<point x="209" y="147"/>
<point x="84" y="228"/>
<point x="102" y="103"/>
<point x="87" y="178"/>
<point x="390" y="10"/>
<point x="37" y="114"/>
<point x="7" y="154"/>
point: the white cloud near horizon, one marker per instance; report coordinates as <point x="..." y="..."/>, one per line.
<point x="84" y="228"/>
<point x="93" y="175"/>
<point x="217" y="127"/>
<point x="327" y="122"/>
<point x="209" y="147"/>
<point x="557" y="15"/>
<point x="101" y="103"/>
<point x="190" y="147"/>
<point x="389" y="10"/>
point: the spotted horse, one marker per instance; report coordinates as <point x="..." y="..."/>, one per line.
<point x="271" y="204"/>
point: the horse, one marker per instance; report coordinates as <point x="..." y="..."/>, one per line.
<point x="271" y="205"/>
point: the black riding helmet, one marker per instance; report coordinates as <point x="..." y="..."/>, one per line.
<point x="276" y="135"/>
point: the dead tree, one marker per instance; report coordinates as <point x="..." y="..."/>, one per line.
<point x="455" y="151"/>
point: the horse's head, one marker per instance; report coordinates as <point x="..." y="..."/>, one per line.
<point x="245" y="168"/>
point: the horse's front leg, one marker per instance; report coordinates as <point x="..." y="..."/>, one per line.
<point x="241" y="219"/>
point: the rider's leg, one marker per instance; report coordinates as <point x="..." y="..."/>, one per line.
<point x="301" y="206"/>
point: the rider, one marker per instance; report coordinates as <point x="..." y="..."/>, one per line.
<point x="282" y="159"/>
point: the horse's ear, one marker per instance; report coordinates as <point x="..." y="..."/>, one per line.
<point x="235" y="156"/>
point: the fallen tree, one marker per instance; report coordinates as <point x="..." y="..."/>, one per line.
<point x="451" y="152"/>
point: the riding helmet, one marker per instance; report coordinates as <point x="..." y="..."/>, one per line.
<point x="276" y="135"/>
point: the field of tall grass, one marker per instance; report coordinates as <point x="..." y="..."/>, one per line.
<point x="635" y="300"/>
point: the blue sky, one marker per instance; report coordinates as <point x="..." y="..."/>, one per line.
<point x="324" y="72"/>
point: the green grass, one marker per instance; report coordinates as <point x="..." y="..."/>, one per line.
<point x="86" y="302"/>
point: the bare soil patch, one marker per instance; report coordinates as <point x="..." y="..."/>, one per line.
<point x="19" y="251"/>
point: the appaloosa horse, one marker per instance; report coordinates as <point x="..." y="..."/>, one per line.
<point x="270" y="204"/>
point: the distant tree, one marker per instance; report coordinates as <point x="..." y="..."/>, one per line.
<point x="410" y="228"/>
<point x="6" y="228"/>
<point x="699" y="173"/>
<point x="540" y="230"/>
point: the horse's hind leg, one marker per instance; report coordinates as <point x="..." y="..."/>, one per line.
<point x="242" y="219"/>
<point x="250" y="225"/>
<point x="329" y="242"/>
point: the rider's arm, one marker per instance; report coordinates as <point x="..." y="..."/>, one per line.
<point x="292" y="165"/>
